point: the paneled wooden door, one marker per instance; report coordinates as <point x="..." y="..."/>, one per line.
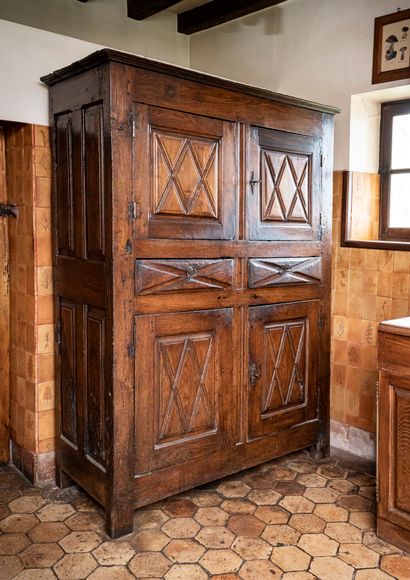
<point x="4" y="314"/>
<point x="283" y="366"/>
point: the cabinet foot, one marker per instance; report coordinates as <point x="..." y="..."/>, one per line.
<point x="62" y="479"/>
<point x="119" y="522"/>
<point x="320" y="450"/>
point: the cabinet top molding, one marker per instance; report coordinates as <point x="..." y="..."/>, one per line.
<point x="107" y="55"/>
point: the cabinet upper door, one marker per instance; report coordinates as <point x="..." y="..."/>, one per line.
<point x="283" y="361"/>
<point x="185" y="398"/>
<point x="185" y="172"/>
<point x="283" y="185"/>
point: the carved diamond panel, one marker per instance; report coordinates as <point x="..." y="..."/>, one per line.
<point x="186" y="382"/>
<point x="285" y="187"/>
<point x="278" y="271"/>
<point x="185" y="175"/>
<point x="159" y="276"/>
<point x="285" y="364"/>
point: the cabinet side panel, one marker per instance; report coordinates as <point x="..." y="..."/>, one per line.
<point x="68" y="371"/>
<point x="64" y="189"/>
<point x="95" y="329"/>
<point x="94" y="181"/>
<point x="401" y="450"/>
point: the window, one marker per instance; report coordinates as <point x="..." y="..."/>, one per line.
<point x="395" y="171"/>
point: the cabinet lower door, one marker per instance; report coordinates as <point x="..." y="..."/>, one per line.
<point x="283" y="366"/>
<point x="184" y="391"/>
<point x="394" y="450"/>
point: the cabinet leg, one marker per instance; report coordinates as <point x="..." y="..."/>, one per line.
<point x="119" y="522"/>
<point x="320" y="450"/>
<point x="62" y="479"/>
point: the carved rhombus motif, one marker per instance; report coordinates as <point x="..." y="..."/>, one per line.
<point x="185" y="175"/>
<point x="285" y="187"/>
<point x="284" y="346"/>
<point x="186" y="385"/>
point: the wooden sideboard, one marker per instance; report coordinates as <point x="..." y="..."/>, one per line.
<point x="192" y="277"/>
<point x="393" y="512"/>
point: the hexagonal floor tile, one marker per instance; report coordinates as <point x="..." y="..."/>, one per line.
<point x="327" y="568"/>
<point x="149" y="565"/>
<point x="179" y="507"/>
<point x="331" y="513"/>
<point x="184" y="551"/>
<point x="397" y="566"/>
<point x="372" y="574"/>
<point x="363" y="520"/>
<point x="75" y="567"/>
<point x="18" y="523"/>
<point x="35" y="574"/>
<point x="27" y="504"/>
<point x="111" y="573"/>
<point x="297" y="504"/>
<point x="48" y="532"/>
<point x="301" y="466"/>
<point x="378" y="545"/>
<point x="80" y="542"/>
<point x="259" y="569"/>
<point x="212" y="516"/>
<point x="247" y="526"/>
<point x="354" y="503"/>
<point x="113" y="553"/>
<point x="251" y="548"/>
<point x="181" y="528"/>
<point x="289" y="487"/>
<point x="206" y="498"/>
<point x="321" y="494"/>
<point x="233" y="488"/>
<point x="238" y="506"/>
<point x="332" y="471"/>
<point x="298" y="576"/>
<point x="312" y="480"/>
<point x="149" y="519"/>
<point x="9" y="567"/>
<point x="358" y="556"/>
<point x="307" y="523"/>
<point x="85" y="522"/>
<point x="344" y="533"/>
<point x="318" y="545"/>
<point x="150" y="540"/>
<point x="11" y="544"/>
<point x="264" y="496"/>
<point x="290" y="558"/>
<point x="221" y="561"/>
<point x="215" y="537"/>
<point x="280" y="534"/>
<point x="185" y="571"/>
<point x="343" y="486"/>
<point x="272" y="514"/>
<point x="55" y="512"/>
<point x="41" y="555"/>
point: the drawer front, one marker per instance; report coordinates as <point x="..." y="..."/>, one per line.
<point x="160" y="276"/>
<point x="263" y="273"/>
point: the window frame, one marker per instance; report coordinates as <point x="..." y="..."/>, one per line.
<point x="388" y="111"/>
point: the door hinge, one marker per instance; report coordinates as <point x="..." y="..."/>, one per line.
<point x="377" y="491"/>
<point x="322" y="227"/>
<point x="132" y="211"/>
<point x="131" y="346"/>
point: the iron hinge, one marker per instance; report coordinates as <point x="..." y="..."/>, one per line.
<point x="132" y="210"/>
<point x="322" y="227"/>
<point x="377" y="491"/>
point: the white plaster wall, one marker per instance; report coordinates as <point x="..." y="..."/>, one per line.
<point x="103" y="22"/>
<point x="319" y="50"/>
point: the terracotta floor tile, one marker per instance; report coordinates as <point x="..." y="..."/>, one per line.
<point x="149" y="565"/>
<point x="55" y="512"/>
<point x="149" y="540"/>
<point x="264" y="496"/>
<point x="215" y="537"/>
<point x="35" y="574"/>
<point x="307" y="523"/>
<point x="18" y="523"/>
<point x="27" y="504"/>
<point x="185" y="571"/>
<point x="79" y="542"/>
<point x="221" y="561"/>
<point x="75" y="567"/>
<point x="297" y="505"/>
<point x="41" y="555"/>
<point x="206" y="499"/>
<point x="259" y="569"/>
<point x="113" y="553"/>
<point x="358" y="556"/>
<point x="48" y="532"/>
<point x="184" y="551"/>
<point x="251" y="548"/>
<point x="298" y="576"/>
<point x="280" y="534"/>
<point x="318" y="545"/>
<point x="211" y="516"/>
<point x="396" y="565"/>
<point x="312" y="480"/>
<point x="247" y="526"/>
<point x="344" y="533"/>
<point x="9" y="567"/>
<point x="181" y="528"/>
<point x="363" y="520"/>
<point x="290" y="558"/>
<point x="111" y="573"/>
<point x="331" y="513"/>
<point x="372" y="574"/>
<point x="179" y="508"/>
<point x="144" y="519"/>
<point x="238" y="506"/>
<point x="272" y="514"/>
<point x="14" y="543"/>
<point x="327" y="568"/>
<point x="354" y="503"/>
<point x="378" y="545"/>
<point x="233" y="489"/>
<point x="289" y="487"/>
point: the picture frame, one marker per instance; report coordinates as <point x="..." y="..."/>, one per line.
<point x="391" y="52"/>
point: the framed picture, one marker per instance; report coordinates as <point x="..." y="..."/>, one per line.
<point x="391" y="54"/>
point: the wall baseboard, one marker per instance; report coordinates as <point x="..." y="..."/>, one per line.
<point x="39" y="468"/>
<point x="352" y="439"/>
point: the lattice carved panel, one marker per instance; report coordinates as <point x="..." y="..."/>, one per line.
<point x="186" y="384"/>
<point x="159" y="276"/>
<point x="285" y="365"/>
<point x="279" y="271"/>
<point x="285" y="187"/>
<point x="185" y="175"/>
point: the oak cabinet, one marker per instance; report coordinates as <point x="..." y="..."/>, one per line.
<point x="393" y="513"/>
<point x="192" y="277"/>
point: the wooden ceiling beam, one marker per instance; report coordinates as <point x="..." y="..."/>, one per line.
<point x="141" y="9"/>
<point x="219" y="11"/>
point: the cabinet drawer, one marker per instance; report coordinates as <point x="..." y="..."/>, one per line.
<point x="263" y="273"/>
<point x="160" y="276"/>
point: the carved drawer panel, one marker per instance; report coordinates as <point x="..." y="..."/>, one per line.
<point x="159" y="276"/>
<point x="278" y="271"/>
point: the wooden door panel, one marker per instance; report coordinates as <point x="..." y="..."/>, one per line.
<point x="283" y="360"/>
<point x="184" y="393"/>
<point x="162" y="276"/>
<point x="267" y="272"/>
<point x="394" y="449"/>
<point x="187" y="179"/>
<point x="284" y="185"/>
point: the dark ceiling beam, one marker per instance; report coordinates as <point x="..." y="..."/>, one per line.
<point x="218" y="12"/>
<point x="141" y="9"/>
